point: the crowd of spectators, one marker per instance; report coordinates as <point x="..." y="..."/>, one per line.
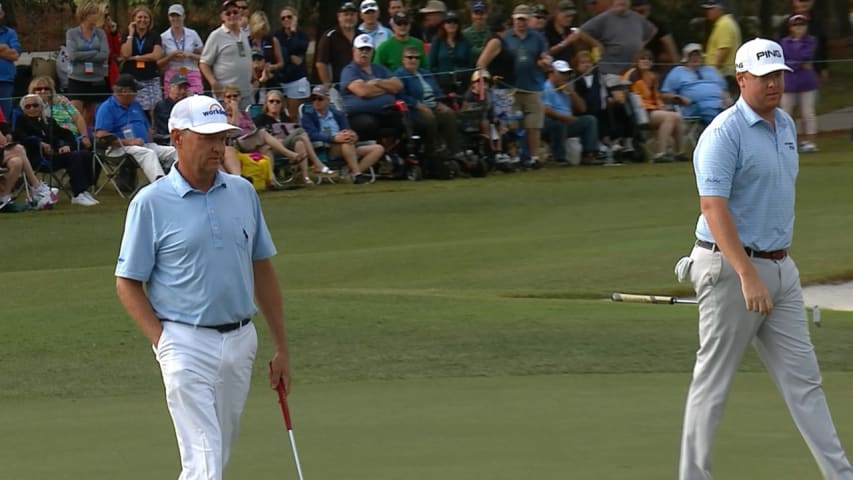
<point x="538" y="75"/>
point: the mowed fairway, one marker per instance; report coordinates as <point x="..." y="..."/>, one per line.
<point x="454" y="330"/>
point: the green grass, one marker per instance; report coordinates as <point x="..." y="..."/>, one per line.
<point x="835" y="92"/>
<point x="451" y="330"/>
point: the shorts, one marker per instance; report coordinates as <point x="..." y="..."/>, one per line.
<point x="87" y="92"/>
<point x="297" y="90"/>
<point x="290" y="140"/>
<point x="148" y="93"/>
<point x="530" y="103"/>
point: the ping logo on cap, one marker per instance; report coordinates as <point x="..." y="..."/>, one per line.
<point x="767" y="54"/>
<point x="214" y="109"/>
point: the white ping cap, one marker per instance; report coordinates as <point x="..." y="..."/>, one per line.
<point x="199" y="114"/>
<point x="362" y="41"/>
<point x="760" y="57"/>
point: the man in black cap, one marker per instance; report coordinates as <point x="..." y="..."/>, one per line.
<point x="538" y="18"/>
<point x="121" y="119"/>
<point x="478" y="32"/>
<point x="390" y="53"/>
<point x="178" y="89"/>
<point x="334" y="51"/>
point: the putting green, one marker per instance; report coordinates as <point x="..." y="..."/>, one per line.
<point x="539" y="427"/>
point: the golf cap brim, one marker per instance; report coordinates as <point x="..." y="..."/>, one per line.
<point x="200" y="114"/>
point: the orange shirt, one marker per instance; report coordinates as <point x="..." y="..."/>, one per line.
<point x="645" y="84"/>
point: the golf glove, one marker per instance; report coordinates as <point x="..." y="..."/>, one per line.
<point x="682" y="269"/>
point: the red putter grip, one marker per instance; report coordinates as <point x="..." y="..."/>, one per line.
<point x="282" y="400"/>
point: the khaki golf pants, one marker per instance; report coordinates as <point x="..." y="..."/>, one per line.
<point x="782" y="341"/>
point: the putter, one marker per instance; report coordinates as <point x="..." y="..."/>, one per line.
<point x="654" y="299"/>
<point x="285" y="411"/>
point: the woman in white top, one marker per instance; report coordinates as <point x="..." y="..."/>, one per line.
<point x="182" y="47"/>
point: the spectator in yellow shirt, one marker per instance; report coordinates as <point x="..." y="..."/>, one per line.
<point x="723" y="42"/>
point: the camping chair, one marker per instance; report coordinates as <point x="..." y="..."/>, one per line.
<point x="335" y="163"/>
<point x="118" y="166"/>
<point x="43" y="165"/>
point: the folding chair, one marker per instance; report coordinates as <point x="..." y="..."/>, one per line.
<point x="43" y="166"/>
<point x="119" y="167"/>
<point x="334" y="163"/>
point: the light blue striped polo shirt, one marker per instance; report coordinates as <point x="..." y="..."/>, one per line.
<point x="194" y="250"/>
<point x="740" y="157"/>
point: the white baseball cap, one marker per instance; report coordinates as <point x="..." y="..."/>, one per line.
<point x="688" y="49"/>
<point x="177" y="9"/>
<point x="362" y="41"/>
<point x="199" y="114"/>
<point x="561" y="66"/>
<point x="760" y="57"/>
<point x="368" y="6"/>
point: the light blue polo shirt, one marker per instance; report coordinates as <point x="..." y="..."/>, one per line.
<point x="194" y="250"/>
<point x="739" y="157"/>
<point x="555" y="99"/>
<point x="113" y="117"/>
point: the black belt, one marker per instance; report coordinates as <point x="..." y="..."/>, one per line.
<point x="224" y="328"/>
<point x="772" y="255"/>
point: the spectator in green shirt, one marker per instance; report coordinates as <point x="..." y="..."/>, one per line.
<point x="478" y="32"/>
<point x="390" y="52"/>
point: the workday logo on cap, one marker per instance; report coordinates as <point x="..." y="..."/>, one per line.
<point x="760" y="57"/>
<point x="200" y="114"/>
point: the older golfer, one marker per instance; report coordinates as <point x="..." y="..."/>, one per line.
<point x="747" y="285"/>
<point x="197" y="242"/>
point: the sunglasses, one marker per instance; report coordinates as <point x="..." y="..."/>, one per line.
<point x="538" y="17"/>
<point x="413" y="57"/>
<point x="41" y="89"/>
<point x="402" y="24"/>
<point x="317" y="99"/>
<point x="273" y="101"/>
<point x="452" y="22"/>
<point x="287" y="17"/>
<point x="30" y="106"/>
<point x="364" y="49"/>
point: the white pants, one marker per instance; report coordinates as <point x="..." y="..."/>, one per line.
<point x="152" y="158"/>
<point x="782" y="341"/>
<point x="206" y="375"/>
<point x="806" y="101"/>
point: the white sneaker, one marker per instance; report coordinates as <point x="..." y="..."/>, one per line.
<point x="808" y="147"/>
<point x="83" y="200"/>
<point x="43" y="194"/>
<point x="90" y="197"/>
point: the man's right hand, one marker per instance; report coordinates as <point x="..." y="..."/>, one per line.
<point x="755" y="293"/>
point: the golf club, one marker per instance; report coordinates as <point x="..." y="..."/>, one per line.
<point x="654" y="299"/>
<point x="282" y="400"/>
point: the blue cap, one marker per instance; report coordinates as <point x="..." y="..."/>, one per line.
<point x="479" y="6"/>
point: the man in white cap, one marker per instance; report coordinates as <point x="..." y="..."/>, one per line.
<point x="699" y="89"/>
<point x="195" y="253"/>
<point x="367" y="88"/>
<point x="370" y="23"/>
<point x="747" y="285"/>
<point x="560" y="101"/>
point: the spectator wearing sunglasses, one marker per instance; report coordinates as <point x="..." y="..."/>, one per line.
<point x="294" y="76"/>
<point x="226" y="57"/>
<point x="42" y="137"/>
<point x="433" y="119"/>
